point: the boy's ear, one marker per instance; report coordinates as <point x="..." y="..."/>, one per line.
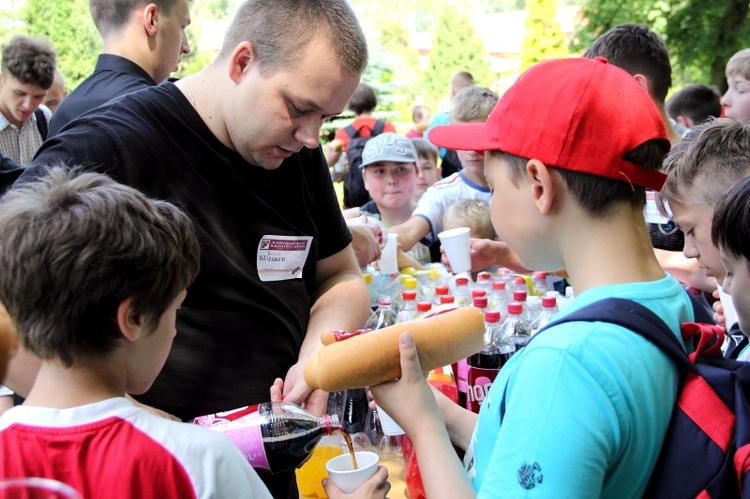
<point x="149" y="19"/>
<point x="643" y="82"/>
<point x="543" y="187"/>
<point x="130" y="323"/>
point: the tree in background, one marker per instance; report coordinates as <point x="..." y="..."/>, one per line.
<point x="701" y="34"/>
<point x="544" y="38"/>
<point x="68" y="26"/>
<point x="456" y="47"/>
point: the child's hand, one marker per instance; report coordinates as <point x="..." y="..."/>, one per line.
<point x="276" y="389"/>
<point x="376" y="486"/>
<point x="408" y="400"/>
<point x="719" y="316"/>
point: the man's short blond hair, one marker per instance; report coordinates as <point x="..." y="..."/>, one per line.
<point x="472" y="213"/>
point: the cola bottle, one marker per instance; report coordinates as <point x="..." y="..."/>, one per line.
<point x="484" y="366"/>
<point x="549" y="310"/>
<point x="515" y="326"/>
<point x="275" y="436"/>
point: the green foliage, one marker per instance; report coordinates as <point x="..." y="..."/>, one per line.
<point x="701" y="35"/>
<point x="68" y="26"/>
<point x="544" y="38"/>
<point x="456" y="47"/>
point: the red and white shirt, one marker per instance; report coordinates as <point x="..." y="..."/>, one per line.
<point x="114" y="449"/>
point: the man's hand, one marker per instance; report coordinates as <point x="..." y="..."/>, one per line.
<point x="297" y="391"/>
<point x="365" y="243"/>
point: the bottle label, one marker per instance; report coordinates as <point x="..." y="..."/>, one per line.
<point x="463" y="371"/>
<point x="242" y="426"/>
<point x="479" y="383"/>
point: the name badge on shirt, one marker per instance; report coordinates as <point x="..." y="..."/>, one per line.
<point x="282" y="257"/>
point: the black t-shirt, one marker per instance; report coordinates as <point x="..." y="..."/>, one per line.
<point x="113" y="76"/>
<point x="235" y="333"/>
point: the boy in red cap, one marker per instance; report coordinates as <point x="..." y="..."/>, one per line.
<point x="582" y="410"/>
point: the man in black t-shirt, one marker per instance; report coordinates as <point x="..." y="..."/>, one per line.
<point x="143" y="41"/>
<point x="236" y="146"/>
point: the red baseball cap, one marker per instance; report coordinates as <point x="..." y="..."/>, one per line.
<point x="577" y="114"/>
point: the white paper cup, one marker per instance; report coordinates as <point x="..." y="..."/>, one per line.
<point x="729" y="312"/>
<point x="388" y="262"/>
<point x="456" y="244"/>
<point x="347" y="479"/>
<point x="390" y="427"/>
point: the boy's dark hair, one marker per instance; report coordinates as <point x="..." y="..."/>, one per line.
<point x="419" y="111"/>
<point x="594" y="193"/>
<point x="74" y="246"/>
<point x="29" y="60"/>
<point x="426" y="149"/>
<point x="695" y="101"/>
<point x="280" y="30"/>
<point x="637" y="50"/>
<point x="730" y="228"/>
<point x="363" y="100"/>
<point x="472" y="104"/>
<point x="111" y="15"/>
<point x="709" y="160"/>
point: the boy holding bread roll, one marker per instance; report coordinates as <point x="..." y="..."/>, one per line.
<point x="582" y="410"/>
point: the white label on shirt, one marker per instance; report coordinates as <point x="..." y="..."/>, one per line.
<point x="282" y="257"/>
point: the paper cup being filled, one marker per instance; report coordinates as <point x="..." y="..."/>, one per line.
<point x="347" y="479"/>
<point x="390" y="427"/>
<point x="456" y="245"/>
<point x="729" y="312"/>
<point x="388" y="262"/>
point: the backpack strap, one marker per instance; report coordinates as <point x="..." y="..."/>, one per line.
<point x="375" y="130"/>
<point x="351" y="131"/>
<point x="378" y="128"/>
<point x="41" y="123"/>
<point x="630" y="315"/>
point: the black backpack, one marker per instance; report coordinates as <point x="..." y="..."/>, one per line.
<point x="354" y="186"/>
<point x="41" y="123"/>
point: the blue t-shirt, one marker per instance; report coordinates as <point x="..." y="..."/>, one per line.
<point x="587" y="406"/>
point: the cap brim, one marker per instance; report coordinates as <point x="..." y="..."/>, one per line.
<point x="462" y="137"/>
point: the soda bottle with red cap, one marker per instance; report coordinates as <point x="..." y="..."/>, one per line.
<point x="549" y="310"/>
<point x="515" y="326"/>
<point x="408" y="310"/>
<point x="484" y="366"/>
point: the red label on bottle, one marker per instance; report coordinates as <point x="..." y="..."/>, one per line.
<point x="479" y="383"/>
<point x="242" y="426"/>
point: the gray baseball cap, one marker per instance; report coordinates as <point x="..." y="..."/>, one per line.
<point x="389" y="147"/>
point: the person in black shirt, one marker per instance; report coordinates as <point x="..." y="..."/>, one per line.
<point x="236" y="146"/>
<point x="143" y="43"/>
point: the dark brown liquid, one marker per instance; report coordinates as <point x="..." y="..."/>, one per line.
<point x="350" y="445"/>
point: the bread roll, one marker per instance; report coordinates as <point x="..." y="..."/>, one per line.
<point x="372" y="358"/>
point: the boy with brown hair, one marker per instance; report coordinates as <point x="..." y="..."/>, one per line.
<point x="134" y="257"/>
<point x="577" y="196"/>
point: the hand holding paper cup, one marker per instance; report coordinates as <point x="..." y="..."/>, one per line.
<point x="456" y="245"/>
<point x="346" y="478"/>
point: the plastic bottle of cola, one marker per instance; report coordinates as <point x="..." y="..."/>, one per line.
<point x="275" y="436"/>
<point x="484" y="366"/>
<point x="516" y="327"/>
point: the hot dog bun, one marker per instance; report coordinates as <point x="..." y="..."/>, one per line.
<point x="373" y="358"/>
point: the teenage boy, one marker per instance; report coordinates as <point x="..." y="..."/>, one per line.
<point x="471" y="105"/>
<point x="582" y="410"/>
<point x="736" y="100"/>
<point x="712" y="158"/>
<point x="27" y="70"/>
<point x="730" y="232"/>
<point x="134" y="257"/>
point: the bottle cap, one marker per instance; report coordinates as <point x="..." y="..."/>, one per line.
<point x="492" y="316"/>
<point x="519" y="295"/>
<point x="515" y="308"/>
<point x="441" y="290"/>
<point x="410" y="283"/>
<point x="549" y="302"/>
<point x="462" y="281"/>
<point x="540" y="275"/>
<point x="484" y="276"/>
<point x="434" y="274"/>
<point x="519" y="280"/>
<point x="424" y="306"/>
<point x="478" y="292"/>
<point x="367" y="278"/>
<point x="409" y="295"/>
<point x="498" y="285"/>
<point x="447" y="299"/>
<point x="384" y="300"/>
<point x="480" y="301"/>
